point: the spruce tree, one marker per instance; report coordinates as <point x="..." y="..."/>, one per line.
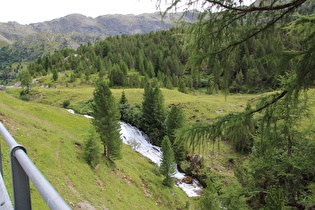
<point x="154" y="114"/>
<point x="106" y="118"/>
<point x="175" y="121"/>
<point x="55" y="75"/>
<point x="124" y="108"/>
<point x="92" y="150"/>
<point x="182" y="86"/>
<point x="167" y="167"/>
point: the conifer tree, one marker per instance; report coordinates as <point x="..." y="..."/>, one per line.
<point x="182" y="86"/>
<point x="106" y="118"/>
<point x="167" y="166"/>
<point x="92" y="150"/>
<point x="175" y="121"/>
<point x="55" y="75"/>
<point x="154" y="114"/>
<point x="26" y="80"/>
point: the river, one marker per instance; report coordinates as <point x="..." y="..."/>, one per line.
<point x="139" y="142"/>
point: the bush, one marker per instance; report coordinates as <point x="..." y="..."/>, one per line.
<point x="24" y="95"/>
<point x="66" y="103"/>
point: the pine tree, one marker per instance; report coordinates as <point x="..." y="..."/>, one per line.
<point x="106" y="118"/>
<point x="154" y="114"/>
<point x="124" y="107"/>
<point x="167" y="166"/>
<point x="182" y="86"/>
<point x="92" y="150"/>
<point x="26" y="80"/>
<point x="55" y="75"/>
<point x="175" y="121"/>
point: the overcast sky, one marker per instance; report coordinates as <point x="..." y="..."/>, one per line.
<point x="33" y="11"/>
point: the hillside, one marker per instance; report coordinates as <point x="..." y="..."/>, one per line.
<point x="106" y="25"/>
<point x="25" y="43"/>
<point x="54" y="138"/>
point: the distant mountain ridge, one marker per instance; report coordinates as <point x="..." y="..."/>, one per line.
<point x="102" y="26"/>
<point x="24" y="43"/>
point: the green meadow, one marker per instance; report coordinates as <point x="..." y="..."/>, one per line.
<point x="54" y="139"/>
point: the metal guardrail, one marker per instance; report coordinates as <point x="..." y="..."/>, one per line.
<point x="23" y="169"/>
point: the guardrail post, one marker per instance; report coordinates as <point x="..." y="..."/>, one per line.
<point x="20" y="182"/>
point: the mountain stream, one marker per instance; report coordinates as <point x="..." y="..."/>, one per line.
<point x="139" y="142"/>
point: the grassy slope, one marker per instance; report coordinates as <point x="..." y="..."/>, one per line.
<point x="196" y="107"/>
<point x="53" y="139"/>
<point x="57" y="155"/>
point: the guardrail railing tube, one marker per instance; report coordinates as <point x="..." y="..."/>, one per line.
<point x="24" y="169"/>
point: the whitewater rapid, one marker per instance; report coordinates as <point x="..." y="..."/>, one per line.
<point x="140" y="142"/>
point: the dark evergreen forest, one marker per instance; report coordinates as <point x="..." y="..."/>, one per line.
<point x="131" y="61"/>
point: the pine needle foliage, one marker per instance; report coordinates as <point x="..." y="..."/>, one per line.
<point x="106" y="117"/>
<point x="281" y="146"/>
<point x="153" y="114"/>
<point x="167" y="167"/>
<point x="92" y="149"/>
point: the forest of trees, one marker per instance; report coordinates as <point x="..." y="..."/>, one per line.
<point x="131" y="61"/>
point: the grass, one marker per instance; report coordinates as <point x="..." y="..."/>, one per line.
<point x="197" y="107"/>
<point x="54" y="138"/>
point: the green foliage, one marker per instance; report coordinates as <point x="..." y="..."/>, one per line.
<point x="92" y="148"/>
<point x="175" y="121"/>
<point x="182" y="86"/>
<point x="25" y="95"/>
<point x="26" y="79"/>
<point x="55" y="75"/>
<point x="167" y="167"/>
<point x="221" y="193"/>
<point x="153" y="114"/>
<point x="275" y="199"/>
<point x="240" y="132"/>
<point x="130" y="113"/>
<point x="241" y="47"/>
<point x="66" y="103"/>
<point x="106" y="117"/>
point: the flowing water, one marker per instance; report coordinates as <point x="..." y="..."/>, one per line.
<point x="140" y="142"/>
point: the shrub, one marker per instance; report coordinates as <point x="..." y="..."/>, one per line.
<point x="24" y="95"/>
<point x="65" y="103"/>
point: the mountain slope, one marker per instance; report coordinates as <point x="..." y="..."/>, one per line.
<point x="54" y="138"/>
<point x="106" y="25"/>
<point x="28" y="42"/>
